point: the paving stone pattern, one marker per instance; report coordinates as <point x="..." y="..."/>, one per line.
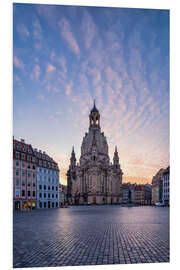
<point x="90" y="235"/>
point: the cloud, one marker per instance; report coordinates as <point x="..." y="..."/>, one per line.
<point x="68" y="90"/>
<point x="50" y="68"/>
<point x="41" y="97"/>
<point x="67" y="34"/>
<point x="54" y="118"/>
<point x="18" y="81"/>
<point x="36" y="72"/>
<point x="37" y="30"/>
<point x="22" y="31"/>
<point x="89" y="28"/>
<point x="18" y="63"/>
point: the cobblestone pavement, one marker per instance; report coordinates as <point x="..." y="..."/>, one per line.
<point x="90" y="235"/>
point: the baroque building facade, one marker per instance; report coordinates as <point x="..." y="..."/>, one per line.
<point x="94" y="180"/>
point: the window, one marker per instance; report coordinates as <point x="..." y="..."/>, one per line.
<point x="52" y="187"/>
<point x="29" y="166"/>
<point x="40" y="186"/>
<point x="56" y="188"/>
<point x="17" y="172"/>
<point x="44" y="204"/>
<point x="49" y="180"/>
<point x="24" y="149"/>
<point x="17" y="163"/>
<point x="23" y="183"/>
<point x="48" y="187"/>
<point x="34" y="184"/>
<point x="29" y="158"/>
<point x="52" y="195"/>
<point x="34" y="193"/>
<point x="23" y="193"/>
<point x="44" y="163"/>
<point x="40" y="162"/>
<point x="48" y="195"/>
<point x="29" y="184"/>
<point x="44" y="195"/>
<point x="29" y="174"/>
<point x="29" y="193"/>
<point x="17" y="155"/>
<point x="44" y="187"/>
<point x="56" y="195"/>
<point x="23" y="156"/>
<point x="40" y="195"/>
<point x="34" y="175"/>
<point x="33" y="167"/>
<point x="23" y="172"/>
<point x="19" y="147"/>
<point x="17" y="182"/>
<point x="23" y="165"/>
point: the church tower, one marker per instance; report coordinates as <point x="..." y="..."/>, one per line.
<point x="116" y="159"/>
<point x="94" y="118"/>
<point x="73" y="159"/>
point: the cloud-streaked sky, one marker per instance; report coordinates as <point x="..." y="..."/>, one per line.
<point x="65" y="56"/>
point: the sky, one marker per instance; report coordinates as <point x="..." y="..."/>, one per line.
<point x="64" y="57"/>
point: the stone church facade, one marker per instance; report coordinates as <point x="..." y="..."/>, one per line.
<point x="94" y="180"/>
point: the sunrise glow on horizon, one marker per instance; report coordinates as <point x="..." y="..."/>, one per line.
<point x="64" y="57"/>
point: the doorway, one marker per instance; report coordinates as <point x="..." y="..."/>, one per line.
<point x="17" y="205"/>
<point x="94" y="200"/>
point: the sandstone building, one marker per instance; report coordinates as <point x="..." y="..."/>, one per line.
<point x="94" y="180"/>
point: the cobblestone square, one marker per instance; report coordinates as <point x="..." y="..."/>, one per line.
<point x="91" y="235"/>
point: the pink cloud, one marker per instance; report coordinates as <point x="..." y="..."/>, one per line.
<point x="68" y="90"/>
<point x="41" y="97"/>
<point x="50" y="68"/>
<point x="37" y="72"/>
<point x="69" y="37"/>
<point x="89" y="28"/>
<point x="37" y="30"/>
<point x="18" y="63"/>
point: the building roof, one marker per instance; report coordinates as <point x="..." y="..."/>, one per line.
<point x="23" y="147"/>
<point x="94" y="109"/>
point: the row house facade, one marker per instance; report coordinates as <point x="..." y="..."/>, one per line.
<point x="166" y="186"/>
<point x="143" y="194"/>
<point x="125" y="193"/>
<point x="31" y="170"/>
<point x="47" y="181"/>
<point x="24" y="176"/>
<point x="62" y="194"/>
<point x="157" y="187"/>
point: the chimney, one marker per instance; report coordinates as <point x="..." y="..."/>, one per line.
<point x="22" y="140"/>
